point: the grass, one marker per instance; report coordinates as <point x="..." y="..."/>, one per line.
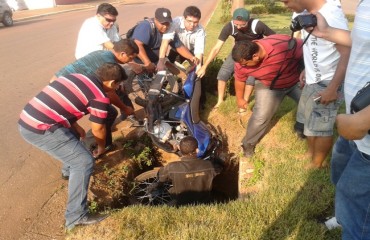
<point x="286" y="202"/>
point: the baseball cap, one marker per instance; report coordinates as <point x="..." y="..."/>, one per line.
<point x="163" y="15"/>
<point x="241" y="14"/>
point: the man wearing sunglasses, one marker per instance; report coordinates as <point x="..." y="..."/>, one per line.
<point x="241" y="27"/>
<point x="98" y="32"/>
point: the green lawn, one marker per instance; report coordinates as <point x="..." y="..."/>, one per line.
<point x="286" y="203"/>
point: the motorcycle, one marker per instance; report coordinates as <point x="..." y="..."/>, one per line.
<point x="172" y="112"/>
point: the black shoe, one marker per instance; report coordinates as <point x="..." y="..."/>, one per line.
<point x="91" y="219"/>
<point x="248" y="150"/>
<point x="65" y="177"/>
<point x="298" y="129"/>
<point x="300" y="135"/>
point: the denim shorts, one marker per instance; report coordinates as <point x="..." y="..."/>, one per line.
<point x="318" y="119"/>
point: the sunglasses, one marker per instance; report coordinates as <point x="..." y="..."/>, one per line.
<point x="109" y="19"/>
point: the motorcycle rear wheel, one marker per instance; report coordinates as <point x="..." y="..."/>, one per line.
<point x="147" y="192"/>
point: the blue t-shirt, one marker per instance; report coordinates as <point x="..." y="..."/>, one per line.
<point x="152" y="40"/>
<point x="88" y="64"/>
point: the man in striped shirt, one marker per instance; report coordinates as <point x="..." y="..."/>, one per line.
<point x="275" y="62"/>
<point x="49" y="122"/>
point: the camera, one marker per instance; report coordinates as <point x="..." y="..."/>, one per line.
<point x="303" y="21"/>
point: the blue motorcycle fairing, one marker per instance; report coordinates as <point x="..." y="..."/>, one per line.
<point x="198" y="130"/>
<point x="189" y="85"/>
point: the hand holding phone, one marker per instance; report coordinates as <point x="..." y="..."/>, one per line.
<point x="317" y="99"/>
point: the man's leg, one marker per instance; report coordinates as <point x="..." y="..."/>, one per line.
<point x="319" y="124"/>
<point x="112" y="114"/>
<point x="341" y="155"/>
<point x="319" y="147"/>
<point x="266" y="104"/>
<point x="65" y="147"/>
<point x="352" y="198"/>
<point x="224" y="74"/>
<point x="296" y="94"/>
<point x="221" y="86"/>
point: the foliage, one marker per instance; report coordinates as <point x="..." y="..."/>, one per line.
<point x="251" y="2"/>
<point x="267" y="6"/>
<point x="210" y="78"/>
<point x="350" y="18"/>
<point x="259" y="10"/>
<point x="143" y="153"/>
<point x="226" y="11"/>
<point x="93" y="207"/>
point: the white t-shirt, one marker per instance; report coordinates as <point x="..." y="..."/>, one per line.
<point x="193" y="40"/>
<point x="92" y="35"/>
<point x="321" y="56"/>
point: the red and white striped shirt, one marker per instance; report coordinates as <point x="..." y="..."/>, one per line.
<point x="63" y="102"/>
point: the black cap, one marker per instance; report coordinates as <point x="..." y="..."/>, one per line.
<point x="163" y="15"/>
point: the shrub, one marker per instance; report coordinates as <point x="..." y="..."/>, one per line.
<point x="276" y="9"/>
<point x="226" y="11"/>
<point x="251" y="2"/>
<point x="210" y="78"/>
<point x="259" y="10"/>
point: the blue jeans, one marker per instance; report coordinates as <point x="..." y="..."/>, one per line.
<point x="266" y="104"/>
<point x="350" y="173"/>
<point x="112" y="114"/>
<point x="63" y="145"/>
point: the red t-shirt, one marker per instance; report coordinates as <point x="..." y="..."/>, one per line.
<point x="278" y="57"/>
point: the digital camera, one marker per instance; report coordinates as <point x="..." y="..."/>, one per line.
<point x="303" y="21"/>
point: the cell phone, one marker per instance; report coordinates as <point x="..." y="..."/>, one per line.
<point x="317" y="99"/>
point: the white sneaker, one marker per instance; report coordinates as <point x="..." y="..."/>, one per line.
<point x="332" y="223"/>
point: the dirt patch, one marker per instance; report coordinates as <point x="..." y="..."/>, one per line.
<point x="113" y="174"/>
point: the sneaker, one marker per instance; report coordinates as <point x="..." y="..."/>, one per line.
<point x="88" y="219"/>
<point x="332" y="223"/>
<point x="133" y="120"/>
<point x="248" y="150"/>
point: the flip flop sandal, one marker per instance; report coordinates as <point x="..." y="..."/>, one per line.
<point x="108" y="149"/>
<point x="242" y="112"/>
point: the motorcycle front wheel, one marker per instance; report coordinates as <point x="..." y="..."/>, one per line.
<point x="148" y="191"/>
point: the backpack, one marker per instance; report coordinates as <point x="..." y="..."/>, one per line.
<point x="130" y="32"/>
<point x="252" y="27"/>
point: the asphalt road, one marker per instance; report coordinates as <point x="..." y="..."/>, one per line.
<point x="31" y="52"/>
